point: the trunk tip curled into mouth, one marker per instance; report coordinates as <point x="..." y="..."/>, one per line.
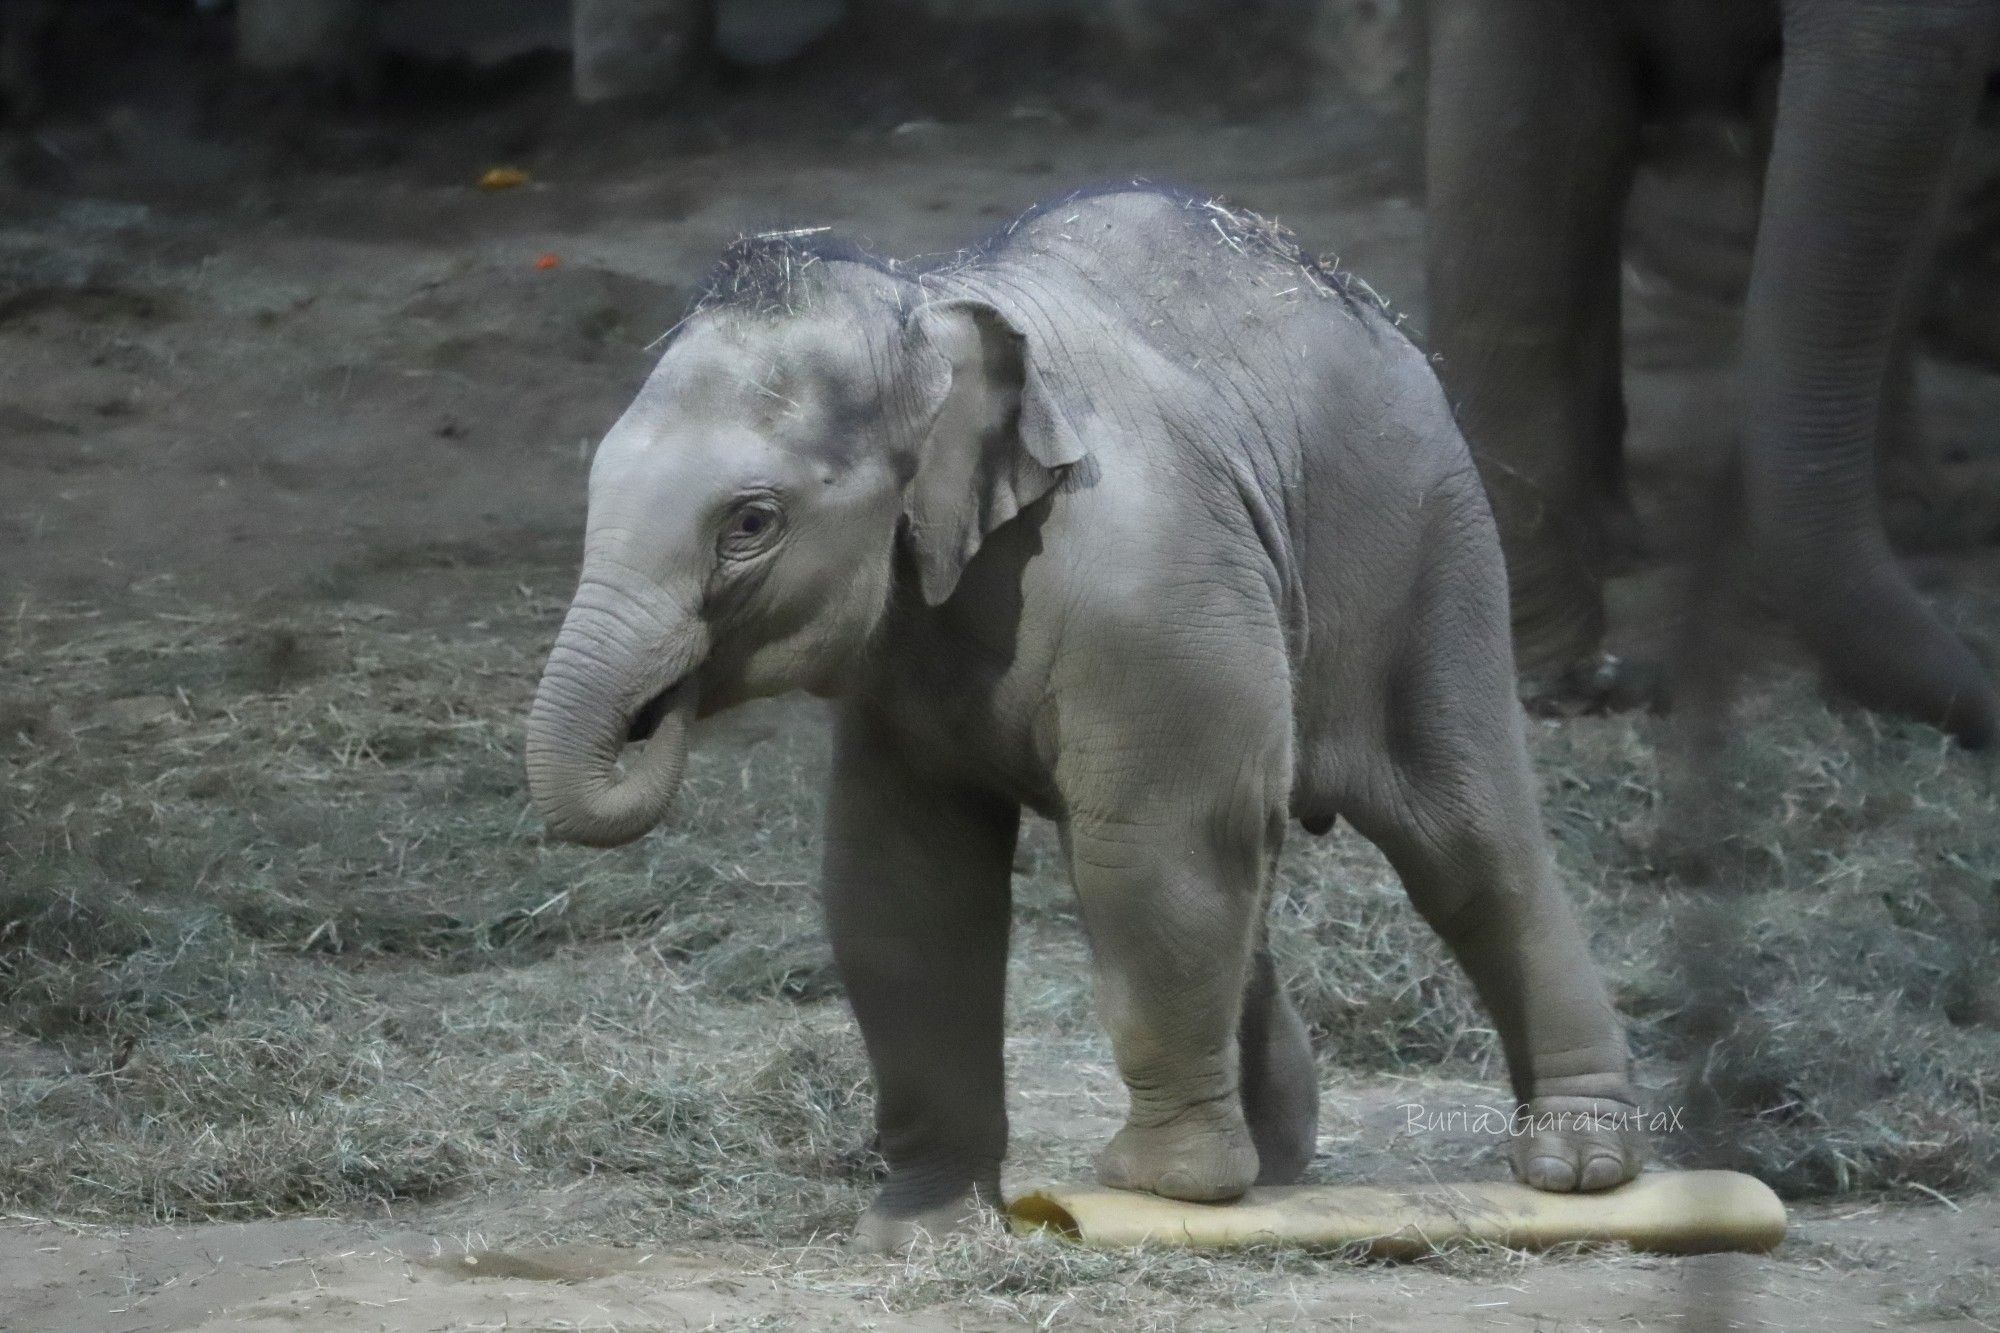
<point x="604" y="776"/>
<point x="651" y="713"/>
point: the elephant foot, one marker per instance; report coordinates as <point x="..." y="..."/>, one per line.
<point x="1936" y="506"/>
<point x="1556" y="597"/>
<point x="1884" y="648"/>
<point x="1569" y="1145"/>
<point x="1284" y="1128"/>
<point x="887" y="1229"/>
<point x="1203" y="1155"/>
<point x="1603" y="683"/>
<point x="1918" y="521"/>
<point x="1281" y="1099"/>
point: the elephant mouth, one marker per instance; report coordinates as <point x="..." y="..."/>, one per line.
<point x="651" y="713"/>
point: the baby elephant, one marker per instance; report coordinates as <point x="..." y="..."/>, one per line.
<point x="1138" y="519"/>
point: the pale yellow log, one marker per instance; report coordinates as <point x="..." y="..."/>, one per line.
<point x="1673" y="1212"/>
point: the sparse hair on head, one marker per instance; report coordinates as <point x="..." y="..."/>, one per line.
<point x="782" y="272"/>
<point x="1239" y="229"/>
<point x="779" y="272"/>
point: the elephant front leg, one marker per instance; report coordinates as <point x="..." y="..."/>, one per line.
<point x="1171" y="906"/>
<point x="917" y="878"/>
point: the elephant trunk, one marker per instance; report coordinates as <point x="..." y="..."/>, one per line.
<point x="1871" y="102"/>
<point x="612" y="677"/>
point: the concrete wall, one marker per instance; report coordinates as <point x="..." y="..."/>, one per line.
<point x="330" y="37"/>
<point x="634" y="47"/>
<point x="1366" y="48"/>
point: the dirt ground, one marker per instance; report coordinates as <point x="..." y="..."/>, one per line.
<point x="339" y="384"/>
<point x="1856" y="1268"/>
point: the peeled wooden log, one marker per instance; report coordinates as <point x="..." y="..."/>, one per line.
<point x="1668" y="1212"/>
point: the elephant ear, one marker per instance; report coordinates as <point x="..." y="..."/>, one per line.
<point x="993" y="441"/>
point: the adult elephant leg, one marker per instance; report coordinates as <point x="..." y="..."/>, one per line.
<point x="1529" y="147"/>
<point x="1613" y="532"/>
<point x="1872" y="101"/>
<point x="1919" y="508"/>
<point x="1916" y="507"/>
<point x="916" y="886"/>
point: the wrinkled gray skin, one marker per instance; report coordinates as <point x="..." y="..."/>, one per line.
<point x="1536" y="113"/>
<point x="1133" y="522"/>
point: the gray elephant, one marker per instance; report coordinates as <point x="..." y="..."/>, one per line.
<point x="1536" y="111"/>
<point x="1139" y="520"/>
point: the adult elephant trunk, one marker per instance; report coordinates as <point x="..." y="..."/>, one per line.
<point x="1873" y="97"/>
<point x="619" y="671"/>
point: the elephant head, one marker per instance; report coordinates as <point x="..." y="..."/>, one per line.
<point x="816" y="412"/>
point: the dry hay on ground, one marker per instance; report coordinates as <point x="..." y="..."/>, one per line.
<point x="276" y="936"/>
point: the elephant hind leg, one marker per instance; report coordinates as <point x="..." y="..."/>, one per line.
<point x="1451" y="800"/>
<point x="1280" y="1078"/>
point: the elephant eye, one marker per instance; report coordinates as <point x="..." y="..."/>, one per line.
<point x="749" y="529"/>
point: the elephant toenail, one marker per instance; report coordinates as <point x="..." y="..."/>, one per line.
<point x="1551" y="1173"/>
<point x="1601" y="1173"/>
